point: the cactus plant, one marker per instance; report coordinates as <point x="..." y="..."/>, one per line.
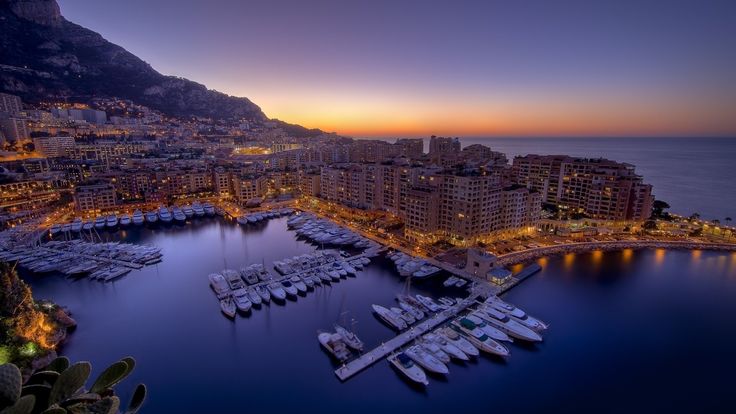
<point x="60" y="389"/>
<point x="10" y="384"/>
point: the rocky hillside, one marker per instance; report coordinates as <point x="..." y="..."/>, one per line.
<point x="42" y="55"/>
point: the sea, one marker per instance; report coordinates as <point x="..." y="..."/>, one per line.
<point x="630" y="331"/>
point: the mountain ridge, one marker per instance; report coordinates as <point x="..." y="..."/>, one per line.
<point x="43" y="56"/>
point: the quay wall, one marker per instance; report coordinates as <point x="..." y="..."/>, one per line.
<point x="530" y="255"/>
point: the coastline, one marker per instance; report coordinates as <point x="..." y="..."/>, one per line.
<point x="527" y="256"/>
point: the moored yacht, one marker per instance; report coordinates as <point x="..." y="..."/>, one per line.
<point x="254" y="297"/>
<point x="164" y="215"/>
<point x="138" y="218"/>
<point x="55" y="229"/>
<point x="88" y="225"/>
<point x="390" y="318"/>
<point x="480" y="322"/>
<point x="179" y="215"/>
<point x="77" y="225"/>
<point x="100" y="223"/>
<point x="277" y="291"/>
<point x="334" y="344"/>
<point x="406" y="366"/>
<point x="240" y="297"/>
<point x="111" y="221"/>
<point x="218" y="283"/>
<point x="188" y="212"/>
<point x="510" y="326"/>
<point x="125" y="220"/>
<point x="209" y="209"/>
<point x="459" y="341"/>
<point x="448" y="347"/>
<point x="263" y="293"/>
<point x="426" y="360"/>
<point x="290" y="289"/>
<point x="298" y="284"/>
<point x="350" y="338"/>
<point x="152" y="217"/>
<point x="478" y="338"/>
<point x="198" y="209"/>
<point x="228" y="307"/>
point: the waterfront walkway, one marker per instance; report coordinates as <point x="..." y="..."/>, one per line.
<point x="527" y="256"/>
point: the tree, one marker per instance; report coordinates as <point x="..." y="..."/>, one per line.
<point x="694" y="216"/>
<point x="650" y="225"/>
<point x="658" y="208"/>
<point x="728" y="220"/>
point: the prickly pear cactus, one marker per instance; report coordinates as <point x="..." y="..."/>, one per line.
<point x="107" y="405"/>
<point x="10" y="385"/>
<point x="111" y="376"/>
<point x="71" y="380"/>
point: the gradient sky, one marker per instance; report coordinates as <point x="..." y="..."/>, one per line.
<point x="469" y="68"/>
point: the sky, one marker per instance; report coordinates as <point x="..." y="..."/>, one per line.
<point x="461" y="68"/>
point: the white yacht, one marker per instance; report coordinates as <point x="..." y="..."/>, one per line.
<point x="111" y="221"/>
<point x="188" y="212"/>
<point x="55" y="229"/>
<point x="428" y="303"/>
<point x="300" y="286"/>
<point x="350" y="338"/>
<point x="218" y="283"/>
<point x="254" y="297"/>
<point x="179" y="215"/>
<point x="138" y="218"/>
<point x="152" y="217"/>
<point x="77" y="225"/>
<point x="125" y="220"/>
<point x="406" y="316"/>
<point x="164" y="214"/>
<point x="406" y="366"/>
<point x="417" y="313"/>
<point x="240" y="297"/>
<point x="88" y="225"/>
<point x="448" y="347"/>
<point x="290" y="289"/>
<point x="459" y="341"/>
<point x="100" y="223"/>
<point x="228" y="307"/>
<point x="480" y="322"/>
<point x="277" y="291"/>
<point x="198" y="209"/>
<point x="334" y="344"/>
<point x="426" y="360"/>
<point x="478" y="338"/>
<point x="209" y="209"/>
<point x="392" y="319"/>
<point x="263" y="293"/>
<point x="510" y="325"/>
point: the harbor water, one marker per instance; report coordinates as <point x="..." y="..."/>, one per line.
<point x="649" y="330"/>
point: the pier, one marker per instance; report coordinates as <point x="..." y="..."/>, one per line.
<point x="369" y="358"/>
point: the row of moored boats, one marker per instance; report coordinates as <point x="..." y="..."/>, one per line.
<point x="325" y="232"/>
<point x="417" y="268"/>
<point x="262" y="216"/>
<point x="164" y="215"/>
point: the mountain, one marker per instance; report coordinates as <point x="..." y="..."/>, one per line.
<point x="44" y="56"/>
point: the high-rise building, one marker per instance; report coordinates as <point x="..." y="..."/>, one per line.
<point x="54" y="146"/>
<point x="98" y="196"/>
<point x="10" y="104"/>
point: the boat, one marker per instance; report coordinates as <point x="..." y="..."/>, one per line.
<point x="111" y="221"/>
<point x="240" y="297"/>
<point x="209" y="209"/>
<point x="478" y="338"/>
<point x="516" y="313"/>
<point x="88" y="225"/>
<point x="188" y="212"/>
<point x="390" y="318"/>
<point x="125" y="220"/>
<point x="459" y="341"/>
<point x="406" y="366"/>
<point x="510" y="326"/>
<point x="406" y="316"/>
<point x="350" y="338"/>
<point x="290" y="289"/>
<point x="254" y="297"/>
<point x="138" y="218"/>
<point x="151" y="217"/>
<point x="426" y="360"/>
<point x="435" y="350"/>
<point x="100" y="223"/>
<point x="55" y="229"/>
<point x="447" y="347"/>
<point x="228" y="307"/>
<point x="179" y="215"/>
<point x="333" y="343"/>
<point x="76" y="225"/>
<point x="417" y="313"/>
<point x="450" y="281"/>
<point x="480" y="321"/>
<point x="300" y="286"/>
<point x="242" y="220"/>
<point x="277" y="291"/>
<point x="164" y="215"/>
<point x="198" y="209"/>
<point x="218" y="283"/>
<point x="428" y="303"/>
<point x="233" y="279"/>
<point x="263" y="293"/>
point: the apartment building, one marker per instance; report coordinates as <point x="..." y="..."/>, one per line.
<point x="95" y="197"/>
<point x="249" y="188"/>
<point x="54" y="146"/>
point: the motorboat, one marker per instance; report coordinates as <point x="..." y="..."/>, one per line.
<point x="447" y="347"/>
<point x="188" y="211"/>
<point x="480" y="321"/>
<point x="478" y="338"/>
<point x="350" y="338"/>
<point x="242" y="220"/>
<point x="179" y="215"/>
<point x="435" y="350"/>
<point x="152" y="217"/>
<point x="218" y="283"/>
<point x="290" y="289"/>
<point x="263" y="293"/>
<point x="406" y="316"/>
<point x="406" y="366"/>
<point x="458" y="340"/>
<point x="198" y="209"/>
<point x="164" y="215"/>
<point x="334" y="344"/>
<point x="299" y="284"/>
<point x="125" y="220"/>
<point x="417" y="313"/>
<point x="88" y="225"/>
<point x="100" y="223"/>
<point x="240" y="297"/>
<point x="254" y="297"/>
<point x="510" y="326"/>
<point x="277" y="291"/>
<point x="55" y="229"/>
<point x="209" y="209"/>
<point x="111" y="221"/>
<point x="228" y="307"/>
<point x="76" y="225"/>
<point x="138" y="218"/>
<point x="426" y="360"/>
<point x="429" y="303"/>
<point x="233" y="279"/>
<point x="516" y="313"/>
<point x="390" y="318"/>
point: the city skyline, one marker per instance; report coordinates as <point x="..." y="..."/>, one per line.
<point x="658" y="69"/>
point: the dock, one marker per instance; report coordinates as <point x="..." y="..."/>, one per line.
<point x="369" y="358"/>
